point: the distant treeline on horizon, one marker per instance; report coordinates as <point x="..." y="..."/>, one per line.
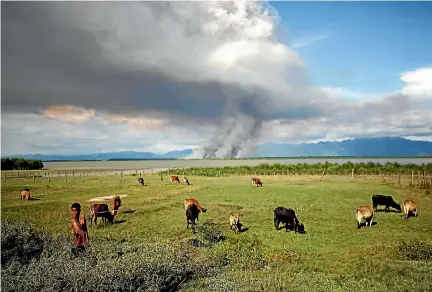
<point x="245" y="158"/>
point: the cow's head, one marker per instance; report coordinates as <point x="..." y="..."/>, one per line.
<point x="300" y="228"/>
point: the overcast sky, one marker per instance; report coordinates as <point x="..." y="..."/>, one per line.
<point x="85" y="77"/>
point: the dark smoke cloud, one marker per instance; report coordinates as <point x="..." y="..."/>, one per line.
<point x="205" y="63"/>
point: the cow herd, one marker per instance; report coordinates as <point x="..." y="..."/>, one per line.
<point x="367" y="212"/>
<point x="281" y="214"/>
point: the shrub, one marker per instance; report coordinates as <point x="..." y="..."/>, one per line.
<point x="19" y="242"/>
<point x="105" y="266"/>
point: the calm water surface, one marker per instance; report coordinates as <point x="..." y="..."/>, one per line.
<point x="164" y="164"/>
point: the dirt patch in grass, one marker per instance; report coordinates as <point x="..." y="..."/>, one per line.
<point x="105" y="198"/>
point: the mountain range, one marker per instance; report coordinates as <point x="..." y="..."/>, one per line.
<point x="386" y="146"/>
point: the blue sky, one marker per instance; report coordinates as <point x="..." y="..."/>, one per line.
<point x="364" y="45"/>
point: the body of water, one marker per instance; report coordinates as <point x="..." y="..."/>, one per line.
<point x="185" y="163"/>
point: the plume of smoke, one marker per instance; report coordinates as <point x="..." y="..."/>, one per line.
<point x="239" y="24"/>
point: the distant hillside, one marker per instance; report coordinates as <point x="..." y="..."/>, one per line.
<point x="357" y="147"/>
<point x="388" y="146"/>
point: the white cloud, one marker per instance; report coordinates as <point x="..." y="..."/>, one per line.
<point x="309" y="40"/>
<point x="418" y="83"/>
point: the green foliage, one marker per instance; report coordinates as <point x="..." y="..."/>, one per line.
<point x="21" y="164"/>
<point x="370" y="168"/>
<point x="19" y="242"/>
<point x="103" y="267"/>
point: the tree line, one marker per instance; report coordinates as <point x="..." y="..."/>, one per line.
<point x="21" y="164"/>
<point x="369" y="168"/>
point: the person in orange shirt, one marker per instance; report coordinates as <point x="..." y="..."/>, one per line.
<point x="79" y="231"/>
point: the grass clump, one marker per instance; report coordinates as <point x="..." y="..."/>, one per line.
<point x="415" y="250"/>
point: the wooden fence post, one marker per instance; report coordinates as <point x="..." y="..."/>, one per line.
<point x="382" y="175"/>
<point x="58" y="173"/>
<point x="399" y="180"/>
<point x="161" y="176"/>
<point x="73" y="173"/>
<point x="49" y="177"/>
<point x="412" y="178"/>
<point x="5" y="176"/>
<point x="34" y="177"/>
<point x="322" y="176"/>
<point x="121" y="176"/>
<point x="65" y="176"/>
<point x="352" y="174"/>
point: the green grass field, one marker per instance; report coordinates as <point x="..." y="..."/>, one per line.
<point x="393" y="255"/>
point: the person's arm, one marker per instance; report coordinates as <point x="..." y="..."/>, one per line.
<point x="76" y="229"/>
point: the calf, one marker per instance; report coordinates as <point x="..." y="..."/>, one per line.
<point x="25" y="193"/>
<point x="287" y="216"/>
<point x="140" y="181"/>
<point x="186" y="181"/>
<point x="235" y="222"/>
<point x="188" y="202"/>
<point x="256" y="182"/>
<point x="192" y="214"/>
<point x="100" y="210"/>
<point x="410" y="206"/>
<point x="387" y="201"/>
<point x="365" y="212"/>
<point x="174" y="178"/>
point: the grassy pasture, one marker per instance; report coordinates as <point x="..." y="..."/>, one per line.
<point x="333" y="256"/>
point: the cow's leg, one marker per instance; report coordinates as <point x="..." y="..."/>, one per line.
<point x="187" y="223"/>
<point x="415" y="212"/>
<point x="276" y="224"/>
<point x="370" y="221"/>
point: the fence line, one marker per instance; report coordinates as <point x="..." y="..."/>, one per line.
<point x="419" y="179"/>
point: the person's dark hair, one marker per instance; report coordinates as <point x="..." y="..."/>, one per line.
<point x="77" y="206"/>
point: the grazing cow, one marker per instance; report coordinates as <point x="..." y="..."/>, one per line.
<point x="256" y="182"/>
<point x="186" y="181"/>
<point x="410" y="206"/>
<point x="116" y="204"/>
<point x="387" y="201"/>
<point x="192" y="214"/>
<point x="174" y="178"/>
<point x="365" y="212"/>
<point x="287" y="216"/>
<point x="188" y="202"/>
<point x="25" y="193"/>
<point x="101" y="210"/>
<point x="140" y="181"/>
<point x="235" y="222"/>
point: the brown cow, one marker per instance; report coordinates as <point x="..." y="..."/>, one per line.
<point x="186" y="181"/>
<point x="174" y="178"/>
<point x="410" y="206"/>
<point x="101" y="210"/>
<point x="188" y="202"/>
<point x="235" y="222"/>
<point x="140" y="181"/>
<point x="256" y="182"/>
<point x="25" y="193"/>
<point x="365" y="212"/>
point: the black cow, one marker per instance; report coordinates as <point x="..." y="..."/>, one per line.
<point x="192" y="213"/>
<point x="140" y="181"/>
<point x="387" y="201"/>
<point x="287" y="216"/>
